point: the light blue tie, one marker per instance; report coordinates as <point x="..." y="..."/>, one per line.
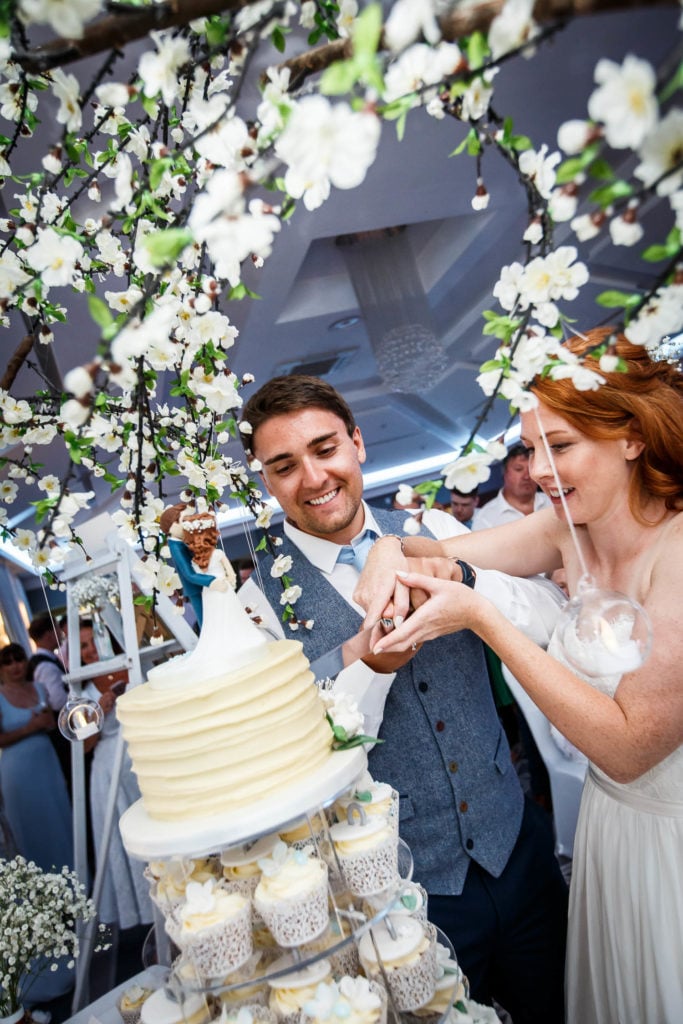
<point x="356" y="554"/>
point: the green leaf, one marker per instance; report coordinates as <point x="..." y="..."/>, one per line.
<point x="477" y="50"/>
<point x="568" y="170"/>
<point x="339" y="78"/>
<point x="656" y="253"/>
<point x="157" y="170"/>
<point x="164" y="247"/>
<point x="366" y="31"/>
<point x="673" y="85"/>
<point x="145" y="601"/>
<point x="601" y="170"/>
<point x="100" y="312"/>
<point x="613" y="299"/>
<point x="278" y="39"/>
<point x="607" y="194"/>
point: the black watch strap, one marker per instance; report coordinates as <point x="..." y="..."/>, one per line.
<point x="469" y="576"/>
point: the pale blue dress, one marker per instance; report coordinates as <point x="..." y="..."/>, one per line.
<point x="34" y="793"/>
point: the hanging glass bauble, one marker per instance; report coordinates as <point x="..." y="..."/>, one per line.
<point x="80" y="718"/>
<point x="602" y="632"/>
<point x="101" y="636"/>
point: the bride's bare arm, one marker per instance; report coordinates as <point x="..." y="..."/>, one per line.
<point x="624" y="735"/>
<point x="524" y="548"/>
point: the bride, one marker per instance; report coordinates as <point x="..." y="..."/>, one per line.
<point x="619" y="455"/>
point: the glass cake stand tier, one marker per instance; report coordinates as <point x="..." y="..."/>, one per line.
<point x="147" y="838"/>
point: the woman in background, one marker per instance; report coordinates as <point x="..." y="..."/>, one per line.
<point x="34" y="793"/>
<point x="619" y="456"/>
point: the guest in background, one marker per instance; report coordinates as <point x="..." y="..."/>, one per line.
<point x="35" y="798"/>
<point x="518" y="497"/>
<point x="463" y="505"/>
<point x="125" y="901"/>
<point x="46" y="666"/>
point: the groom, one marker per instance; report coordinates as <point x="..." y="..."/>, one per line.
<point x="484" y="855"/>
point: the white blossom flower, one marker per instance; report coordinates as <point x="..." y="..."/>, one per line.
<point x="534" y="231"/>
<point x="307" y="14"/>
<point x="411" y="526"/>
<point x="625" y="101"/>
<point x="467" y="472"/>
<point x="404" y="495"/>
<point x="65" y="17"/>
<point x="290" y="595"/>
<point x="581" y="377"/>
<point x="508" y="288"/>
<point x="608" y="363"/>
<point x="625" y="229"/>
<point x="587" y="225"/>
<point x="8" y="491"/>
<point x="476" y="99"/>
<point x="324" y="144"/>
<point x="113" y="94"/>
<point x="661" y="152"/>
<point x="159" y="71"/>
<point x="409" y="19"/>
<point x="54" y="256"/>
<point x="281" y="565"/>
<point x="348" y="10"/>
<point x="24" y="540"/>
<point x="513" y="27"/>
<point x="573" y="136"/>
<point x="563" y="203"/>
<point x="217" y="390"/>
<point x="553" y="277"/>
<point x="66" y="89"/>
<point x="662" y="315"/>
<point x="15" y="410"/>
<point x="12" y="274"/>
<point x="540" y="169"/>
<point x="78" y="381"/>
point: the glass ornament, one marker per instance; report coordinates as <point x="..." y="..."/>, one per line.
<point x="80" y="718"/>
<point x="603" y="632"/>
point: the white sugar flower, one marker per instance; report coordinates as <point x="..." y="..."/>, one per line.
<point x="661" y="152"/>
<point x="512" y="27"/>
<point x="65" y="17"/>
<point x="624" y="101"/>
<point x="467" y="472"/>
<point x="324" y="144"/>
<point x="66" y="89"/>
<point x="159" y="71"/>
<point x="54" y="256"/>
<point x="343" y="711"/>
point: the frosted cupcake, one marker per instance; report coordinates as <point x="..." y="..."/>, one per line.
<point x="241" y="872"/>
<point x="411" y="900"/>
<point x="450" y="987"/>
<point x="353" y="1000"/>
<point x="407" y="950"/>
<point x="307" y="833"/>
<point x="160" y="1008"/>
<point x="130" y="1003"/>
<point x="376" y="798"/>
<point x="212" y="929"/>
<point x="291" y="896"/>
<point x="169" y="879"/>
<point x="247" y="985"/>
<point x="343" y="955"/>
<point x="368" y="852"/>
<point x="247" y="1014"/>
<point x="290" y="991"/>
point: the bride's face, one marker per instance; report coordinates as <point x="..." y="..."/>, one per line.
<point x="594" y="474"/>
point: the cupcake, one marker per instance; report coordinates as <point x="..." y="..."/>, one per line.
<point x="168" y="879"/>
<point x="130" y="1003"/>
<point x="374" y="797"/>
<point x="450" y="987"/>
<point x="291" y="896"/>
<point x="247" y="986"/>
<point x="407" y="953"/>
<point x="339" y="943"/>
<point x="353" y="1000"/>
<point x="250" y="1013"/>
<point x="368" y="853"/>
<point x="307" y="833"/>
<point x="411" y="899"/>
<point x="291" y="990"/>
<point x="212" y="929"/>
<point x="239" y="864"/>
<point x="162" y="1008"/>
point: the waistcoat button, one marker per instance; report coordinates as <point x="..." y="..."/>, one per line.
<point x="440" y="726"/>
<point x="453" y="767"/>
<point x="422" y="687"/>
<point x="463" y="805"/>
<point x="469" y="844"/>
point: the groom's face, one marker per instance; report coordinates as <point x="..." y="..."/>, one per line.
<point x="313" y="468"/>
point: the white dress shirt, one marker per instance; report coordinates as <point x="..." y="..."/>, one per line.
<point x="530" y="605"/>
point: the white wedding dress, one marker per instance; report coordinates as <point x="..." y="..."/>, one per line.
<point x="625" y="943"/>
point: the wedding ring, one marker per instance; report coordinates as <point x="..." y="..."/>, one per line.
<point x="413" y="646"/>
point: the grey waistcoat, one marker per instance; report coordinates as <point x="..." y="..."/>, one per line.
<point x="444" y="749"/>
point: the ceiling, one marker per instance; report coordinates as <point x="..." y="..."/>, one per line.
<point x="306" y="289"/>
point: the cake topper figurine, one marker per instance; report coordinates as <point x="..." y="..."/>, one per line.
<point x="192" y="538"/>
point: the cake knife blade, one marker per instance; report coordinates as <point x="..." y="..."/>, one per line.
<point x="355" y="648"/>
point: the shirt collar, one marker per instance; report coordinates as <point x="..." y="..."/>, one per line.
<point x="320" y="552"/>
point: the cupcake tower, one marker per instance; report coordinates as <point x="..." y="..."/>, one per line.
<point x="307" y="930"/>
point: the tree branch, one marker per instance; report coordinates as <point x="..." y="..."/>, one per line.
<point x="16" y="361"/>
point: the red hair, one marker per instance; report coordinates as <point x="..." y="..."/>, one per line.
<point x="645" y="402"/>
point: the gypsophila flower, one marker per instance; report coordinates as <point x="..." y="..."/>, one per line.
<point x="93" y="592"/>
<point x="39" y="912"/>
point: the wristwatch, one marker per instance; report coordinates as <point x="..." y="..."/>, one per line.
<point x="469" y="576"/>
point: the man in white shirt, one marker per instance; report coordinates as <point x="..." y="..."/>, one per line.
<point x="519" y="495"/>
<point x="483" y="853"/>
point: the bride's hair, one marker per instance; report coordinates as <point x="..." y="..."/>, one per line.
<point x="644" y="402"/>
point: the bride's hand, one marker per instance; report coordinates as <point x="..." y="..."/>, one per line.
<point x="448" y="607"/>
